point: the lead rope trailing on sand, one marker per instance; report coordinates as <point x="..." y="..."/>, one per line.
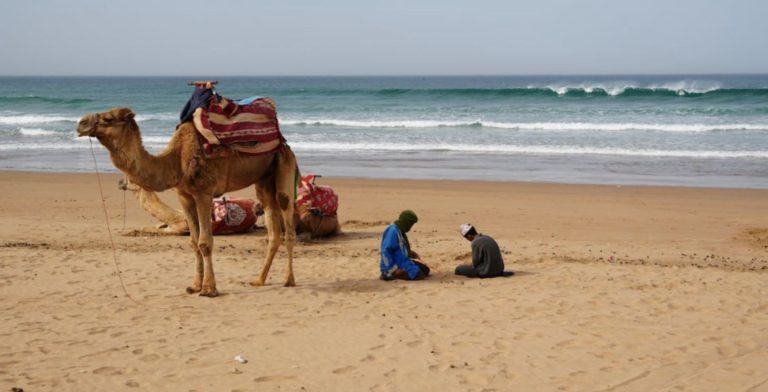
<point x="124" y="208"/>
<point x="109" y="230"/>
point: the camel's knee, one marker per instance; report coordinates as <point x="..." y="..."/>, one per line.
<point x="290" y="237"/>
<point x="283" y="200"/>
<point x="205" y="248"/>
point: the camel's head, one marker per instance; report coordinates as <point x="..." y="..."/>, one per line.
<point x="105" y="124"/>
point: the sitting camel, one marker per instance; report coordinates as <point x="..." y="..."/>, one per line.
<point x="198" y="179"/>
<point x="174" y="223"/>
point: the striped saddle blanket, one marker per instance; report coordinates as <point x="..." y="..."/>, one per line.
<point x="249" y="126"/>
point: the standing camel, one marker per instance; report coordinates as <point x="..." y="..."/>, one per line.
<point x="198" y="179"/>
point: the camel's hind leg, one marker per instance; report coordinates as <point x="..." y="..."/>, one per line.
<point x="285" y="182"/>
<point x="205" y="244"/>
<point x="266" y="194"/>
<point x="190" y="212"/>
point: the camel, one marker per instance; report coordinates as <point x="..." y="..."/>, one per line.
<point x="174" y="223"/>
<point x="198" y="179"/>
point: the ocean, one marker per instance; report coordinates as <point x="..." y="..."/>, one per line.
<point x="682" y="130"/>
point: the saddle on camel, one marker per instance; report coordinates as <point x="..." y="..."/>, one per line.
<point x="247" y="125"/>
<point x="201" y="168"/>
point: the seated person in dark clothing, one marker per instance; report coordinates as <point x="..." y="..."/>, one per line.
<point x="397" y="260"/>
<point x="486" y="256"/>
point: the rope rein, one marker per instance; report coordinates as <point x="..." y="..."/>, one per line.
<point x="125" y="212"/>
<point x="109" y="229"/>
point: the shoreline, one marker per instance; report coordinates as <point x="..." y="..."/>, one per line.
<point x="115" y="172"/>
<point x="634" y="287"/>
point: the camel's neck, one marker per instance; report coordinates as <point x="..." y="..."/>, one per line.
<point x="155" y="173"/>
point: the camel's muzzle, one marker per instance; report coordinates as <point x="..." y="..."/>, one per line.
<point x="87" y="125"/>
<point x="82" y="131"/>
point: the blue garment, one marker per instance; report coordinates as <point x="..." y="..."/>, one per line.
<point x="199" y="99"/>
<point x="247" y="101"/>
<point x="394" y="254"/>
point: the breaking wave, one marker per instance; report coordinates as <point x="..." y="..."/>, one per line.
<point x="628" y="90"/>
<point x="521" y="149"/>
<point x="539" y="126"/>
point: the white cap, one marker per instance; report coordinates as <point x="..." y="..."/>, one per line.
<point x="464" y="228"/>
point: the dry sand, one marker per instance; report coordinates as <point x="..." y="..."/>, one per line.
<point x="617" y="288"/>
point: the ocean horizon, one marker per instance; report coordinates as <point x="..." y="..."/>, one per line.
<point x="704" y="130"/>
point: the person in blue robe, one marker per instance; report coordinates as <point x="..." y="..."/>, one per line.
<point x="397" y="260"/>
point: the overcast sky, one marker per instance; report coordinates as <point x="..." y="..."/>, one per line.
<point x="392" y="37"/>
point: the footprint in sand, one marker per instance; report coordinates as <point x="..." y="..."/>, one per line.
<point x="414" y="343"/>
<point x="343" y="370"/>
<point x="564" y="343"/>
<point x="95" y="331"/>
<point x="273" y="378"/>
<point x="110" y="371"/>
<point x="149" y="358"/>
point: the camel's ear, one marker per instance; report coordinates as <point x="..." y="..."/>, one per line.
<point x="124" y="114"/>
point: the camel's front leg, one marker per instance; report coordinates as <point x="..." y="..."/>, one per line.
<point x="205" y="244"/>
<point x="190" y="212"/>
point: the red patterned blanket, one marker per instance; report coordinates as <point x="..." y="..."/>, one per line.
<point x="251" y="128"/>
<point x="317" y="197"/>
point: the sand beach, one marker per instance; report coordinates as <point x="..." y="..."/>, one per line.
<point x="626" y="288"/>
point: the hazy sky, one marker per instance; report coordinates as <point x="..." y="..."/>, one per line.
<point x="393" y="37"/>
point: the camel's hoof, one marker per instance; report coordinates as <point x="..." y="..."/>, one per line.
<point x="290" y="283"/>
<point x="192" y="290"/>
<point x="257" y="283"/>
<point x="209" y="293"/>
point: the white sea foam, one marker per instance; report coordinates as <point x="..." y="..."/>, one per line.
<point x="520" y="149"/>
<point x="35" y="119"/>
<point x="155" y="139"/>
<point x="379" y="123"/>
<point x="28" y="119"/>
<point x="583" y="126"/>
<point x="43" y="146"/>
<point x="615" y="88"/>
<point x="542" y="126"/>
<point x="687" y="87"/>
<point x="158" y="117"/>
<point x="36" y="132"/>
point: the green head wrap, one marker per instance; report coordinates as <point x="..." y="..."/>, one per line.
<point x="406" y="220"/>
